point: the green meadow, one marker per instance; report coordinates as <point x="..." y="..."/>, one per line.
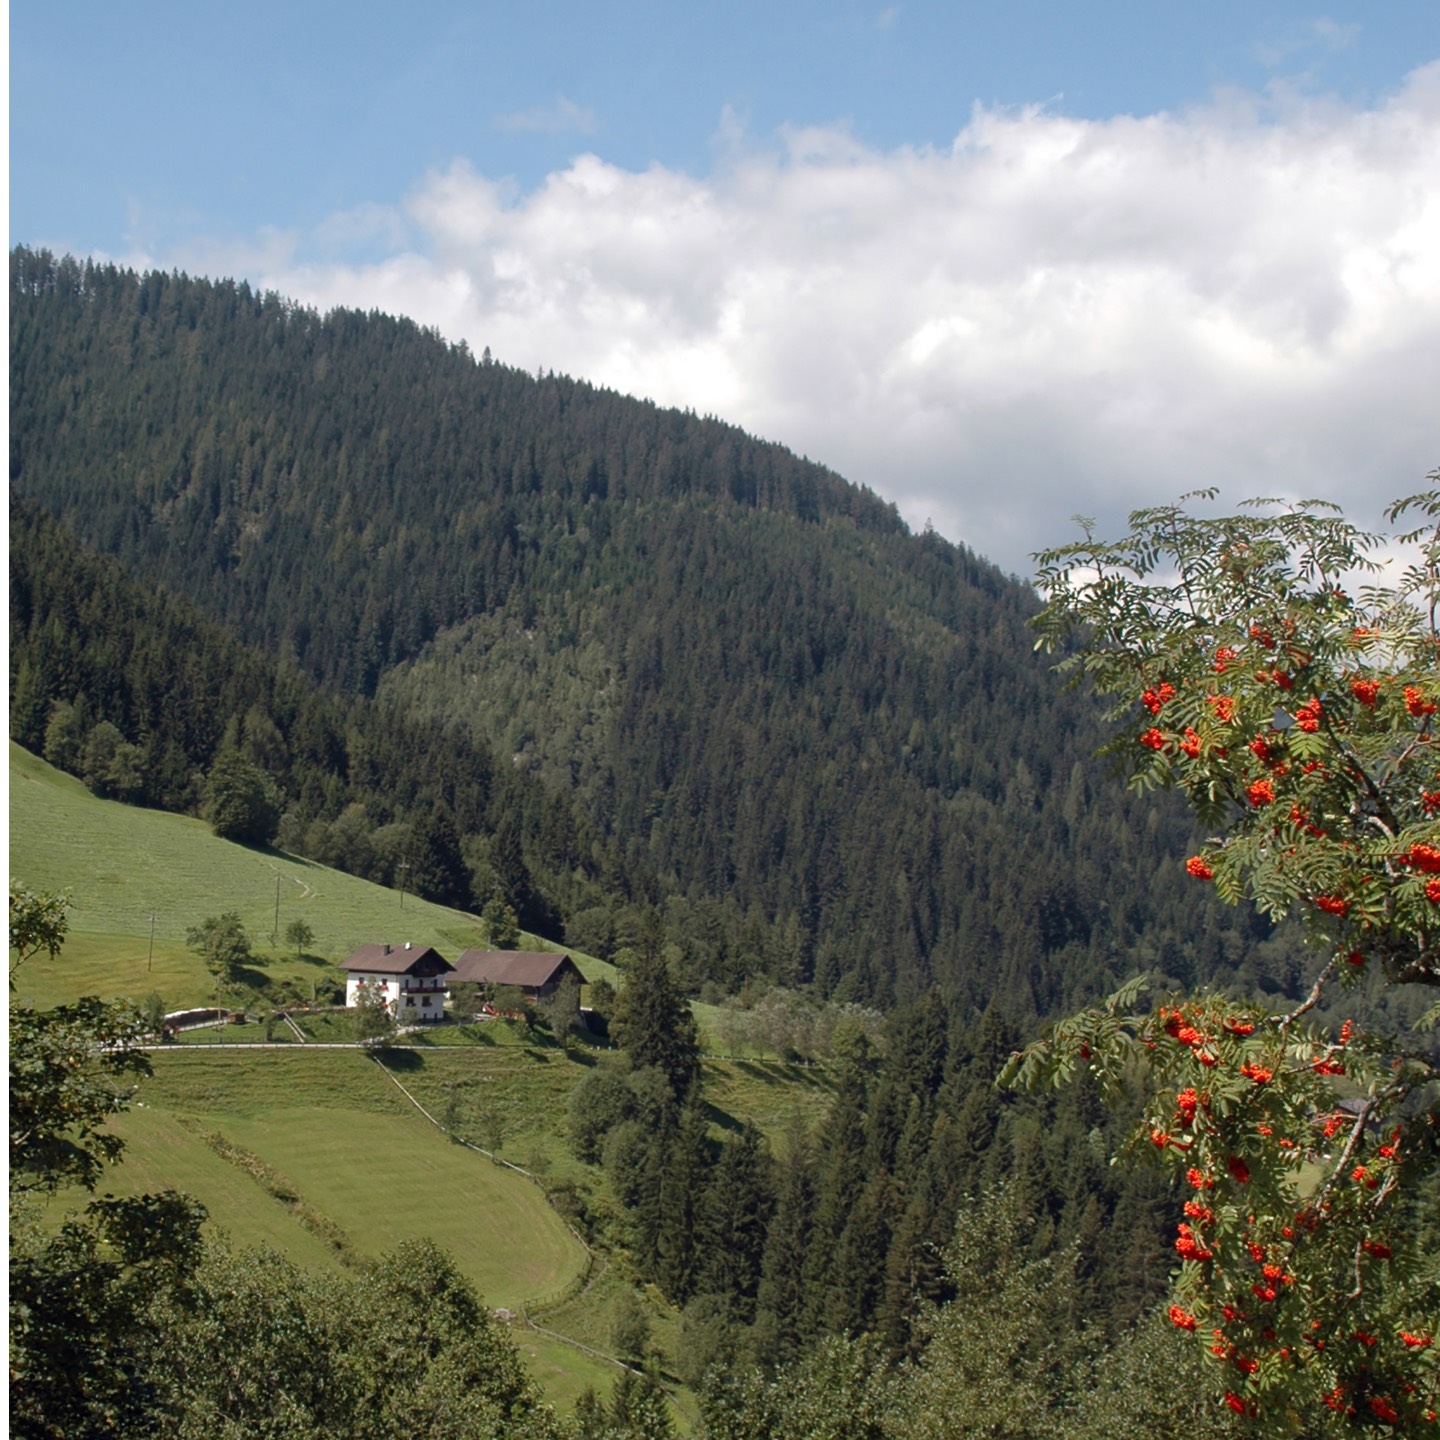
<point x="348" y="1146"/>
<point x="134" y="872"/>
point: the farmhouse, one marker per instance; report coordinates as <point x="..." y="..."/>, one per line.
<point x="538" y="975"/>
<point x="411" y="978"/>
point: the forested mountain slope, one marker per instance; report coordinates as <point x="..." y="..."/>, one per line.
<point x="822" y="744"/>
<point x="130" y="688"/>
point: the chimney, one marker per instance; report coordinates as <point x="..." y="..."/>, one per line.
<point x="387" y="947"/>
<point x="407" y="944"/>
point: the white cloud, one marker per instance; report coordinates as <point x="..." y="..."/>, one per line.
<point x="1052" y="315"/>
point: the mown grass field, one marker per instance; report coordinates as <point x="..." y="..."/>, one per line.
<point x="352" y="1148"/>
<point x="164" y="1153"/>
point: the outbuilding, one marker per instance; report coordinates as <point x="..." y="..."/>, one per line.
<point x="536" y="974"/>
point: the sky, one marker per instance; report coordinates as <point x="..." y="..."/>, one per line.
<point x="1002" y="264"/>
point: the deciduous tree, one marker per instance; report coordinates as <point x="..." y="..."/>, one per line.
<point x="110" y="766"/>
<point x="372" y="1019"/>
<point x="221" y="941"/>
<point x="501" y="923"/>
<point x="1253" y="667"/>
<point x="79" y="1294"/>
<point x="37" y="922"/>
<point x="240" y="800"/>
<point x="404" y="1349"/>
<point x="299" y="934"/>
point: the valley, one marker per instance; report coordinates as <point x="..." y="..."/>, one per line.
<point x="325" y="633"/>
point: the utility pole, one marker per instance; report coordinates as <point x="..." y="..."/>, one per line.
<point x="402" y="867"/>
<point x="275" y="929"/>
<point x="150" y="958"/>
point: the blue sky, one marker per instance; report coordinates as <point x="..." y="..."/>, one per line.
<point x="1000" y="263"/>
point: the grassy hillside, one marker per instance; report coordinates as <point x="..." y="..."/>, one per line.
<point x="361" y="1169"/>
<point x="123" y="864"/>
<point x="316" y="1154"/>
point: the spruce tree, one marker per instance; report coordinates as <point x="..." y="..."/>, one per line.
<point x="682" y="1189"/>
<point x="439" y="872"/>
<point x="780" y="1299"/>
<point x="839" y="1183"/>
<point x="652" y="1023"/>
<point x="731" y="1222"/>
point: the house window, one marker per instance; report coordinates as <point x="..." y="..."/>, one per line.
<point x="410" y="1001"/>
<point x="425" y="1001"/>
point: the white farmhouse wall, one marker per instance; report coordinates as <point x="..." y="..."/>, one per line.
<point x="412" y="1001"/>
<point x="371" y="985"/>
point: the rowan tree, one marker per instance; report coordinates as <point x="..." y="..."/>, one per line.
<point x="1255" y="668"/>
<point x="37" y="922"/>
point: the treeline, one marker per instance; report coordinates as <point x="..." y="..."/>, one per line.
<point x="676" y="667"/>
<point x="1006" y="1360"/>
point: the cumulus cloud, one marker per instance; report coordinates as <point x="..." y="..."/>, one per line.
<point x="1051" y="315"/>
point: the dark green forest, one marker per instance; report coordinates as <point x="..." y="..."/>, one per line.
<point x="609" y="656"/>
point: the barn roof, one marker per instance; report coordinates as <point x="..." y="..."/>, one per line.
<point x="528" y="968"/>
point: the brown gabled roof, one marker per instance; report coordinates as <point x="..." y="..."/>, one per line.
<point x="398" y="960"/>
<point x="528" y="968"/>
